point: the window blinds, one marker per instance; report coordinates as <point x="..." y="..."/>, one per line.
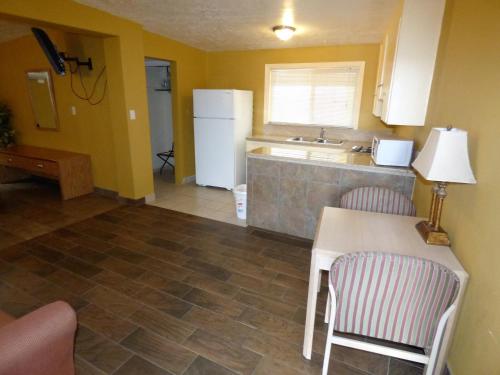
<point x="315" y="95"/>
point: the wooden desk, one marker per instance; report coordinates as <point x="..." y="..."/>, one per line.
<point x="71" y="169"/>
<point x="342" y="231"/>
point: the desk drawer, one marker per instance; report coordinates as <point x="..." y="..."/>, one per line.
<point x="44" y="166"/>
<point x="37" y="166"/>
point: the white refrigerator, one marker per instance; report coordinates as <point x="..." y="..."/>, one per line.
<point x="222" y="122"/>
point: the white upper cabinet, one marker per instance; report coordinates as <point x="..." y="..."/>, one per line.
<point x="406" y="63"/>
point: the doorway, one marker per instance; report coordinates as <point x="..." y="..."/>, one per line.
<point x="159" y="89"/>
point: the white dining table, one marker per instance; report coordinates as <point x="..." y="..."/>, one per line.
<point x="342" y="231"/>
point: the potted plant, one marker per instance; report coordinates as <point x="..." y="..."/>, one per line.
<point x="6" y="131"/>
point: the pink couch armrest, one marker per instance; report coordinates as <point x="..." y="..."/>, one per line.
<point x="39" y="343"/>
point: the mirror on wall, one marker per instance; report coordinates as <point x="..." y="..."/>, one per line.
<point x="43" y="103"/>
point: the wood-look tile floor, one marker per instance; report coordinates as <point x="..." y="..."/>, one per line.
<point x="33" y="207"/>
<point x="162" y="292"/>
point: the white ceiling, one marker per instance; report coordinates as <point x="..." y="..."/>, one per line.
<point x="217" y="25"/>
<point x="11" y="31"/>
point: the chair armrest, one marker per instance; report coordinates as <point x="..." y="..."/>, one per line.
<point x="39" y="343"/>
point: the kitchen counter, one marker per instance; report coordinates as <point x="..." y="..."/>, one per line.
<point x="283" y="140"/>
<point x="288" y="187"/>
<point x="340" y="158"/>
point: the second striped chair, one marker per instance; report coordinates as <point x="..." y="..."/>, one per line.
<point x="378" y="199"/>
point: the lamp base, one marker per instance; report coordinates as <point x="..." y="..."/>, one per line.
<point x="432" y="236"/>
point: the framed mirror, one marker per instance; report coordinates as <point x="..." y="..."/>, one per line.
<point x="42" y="98"/>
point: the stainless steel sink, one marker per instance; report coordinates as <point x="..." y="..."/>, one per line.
<point x="323" y="141"/>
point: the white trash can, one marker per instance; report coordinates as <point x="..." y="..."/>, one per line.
<point x="240" y="198"/>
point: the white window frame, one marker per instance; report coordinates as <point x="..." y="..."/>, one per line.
<point x="357" y="100"/>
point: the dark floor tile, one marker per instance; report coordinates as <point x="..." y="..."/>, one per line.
<point x="21" y="279"/>
<point x="211" y="285"/>
<point x="107" y="324"/>
<point x="295" y="270"/>
<point x="257" y="286"/>
<point x="127" y="255"/>
<point x="93" y="243"/>
<point x="291" y="282"/>
<point x="112" y="301"/>
<point x="207" y="256"/>
<point x="273" y="325"/>
<point x="223" y="352"/>
<point x="203" y="366"/>
<point x="118" y="283"/>
<point x="122" y="267"/>
<point x="164" y="353"/>
<point x="341" y="368"/>
<point x="319" y="325"/>
<point x="86" y="254"/>
<point x="56" y="242"/>
<point x="266" y="304"/>
<point x="166" y="269"/>
<point x="16" y="302"/>
<point x="269" y="366"/>
<point x="139" y="366"/>
<point x="244" y="267"/>
<point x="70" y="281"/>
<point x="79" y="267"/>
<point x="176" y="288"/>
<point x="99" y="351"/>
<point x="164" y="302"/>
<point x="243" y="245"/>
<point x="165" y="244"/>
<point x="13" y="253"/>
<point x="281" y="238"/>
<point x="162" y="324"/>
<point x="214" y="302"/>
<point x="208" y="269"/>
<point x="35" y="265"/>
<point x="369" y="362"/>
<point x="46" y="253"/>
<point x="165" y="255"/>
<point x="399" y="367"/>
<point x="284" y="256"/>
<point x="50" y="292"/>
<point x="82" y="367"/>
<point x="283" y="351"/>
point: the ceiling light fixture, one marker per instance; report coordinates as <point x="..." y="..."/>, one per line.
<point x="284" y="32"/>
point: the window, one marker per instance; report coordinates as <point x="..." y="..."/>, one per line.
<point x="324" y="94"/>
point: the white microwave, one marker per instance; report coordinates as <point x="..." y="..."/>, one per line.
<point x="393" y="152"/>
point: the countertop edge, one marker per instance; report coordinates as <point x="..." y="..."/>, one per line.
<point x="372" y="169"/>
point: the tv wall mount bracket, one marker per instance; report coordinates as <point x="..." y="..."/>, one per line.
<point x="87" y="63"/>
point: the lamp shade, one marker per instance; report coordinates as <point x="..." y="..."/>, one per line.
<point x="445" y="157"/>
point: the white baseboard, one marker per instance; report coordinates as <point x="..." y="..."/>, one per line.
<point x="188" y="179"/>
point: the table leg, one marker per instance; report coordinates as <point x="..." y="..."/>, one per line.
<point x="312" y="297"/>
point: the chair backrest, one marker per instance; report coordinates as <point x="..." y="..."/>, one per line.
<point x="391" y="297"/>
<point x="378" y="199"/>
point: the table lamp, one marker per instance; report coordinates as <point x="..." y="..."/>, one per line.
<point x="444" y="158"/>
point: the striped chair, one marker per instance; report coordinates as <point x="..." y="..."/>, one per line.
<point x="378" y="199"/>
<point x="392" y="297"/>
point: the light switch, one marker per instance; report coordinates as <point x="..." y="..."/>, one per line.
<point x="73" y="110"/>
<point x="132" y="114"/>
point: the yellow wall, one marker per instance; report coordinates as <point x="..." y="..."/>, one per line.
<point x="124" y="57"/>
<point x="466" y="94"/>
<point x="188" y="72"/>
<point x="89" y="131"/>
<point x="245" y="70"/>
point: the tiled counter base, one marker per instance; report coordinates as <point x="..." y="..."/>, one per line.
<point x="287" y="195"/>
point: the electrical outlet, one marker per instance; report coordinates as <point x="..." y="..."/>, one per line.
<point x="73" y="110"/>
<point x="132" y="114"/>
